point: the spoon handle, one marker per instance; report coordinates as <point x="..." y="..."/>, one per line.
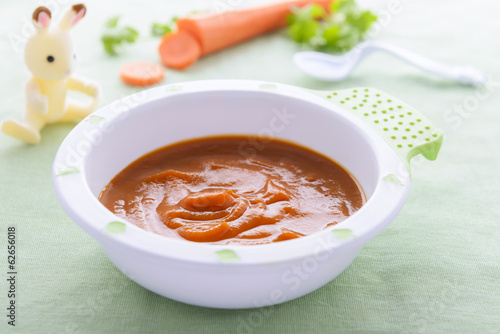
<point x="464" y="74"/>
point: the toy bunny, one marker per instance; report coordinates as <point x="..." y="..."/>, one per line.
<point x="50" y="57"/>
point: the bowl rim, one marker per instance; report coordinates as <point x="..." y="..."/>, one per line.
<point x="87" y="211"/>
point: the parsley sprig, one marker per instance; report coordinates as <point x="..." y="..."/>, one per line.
<point x="339" y="31"/>
<point x="160" y="29"/>
<point x="115" y="36"/>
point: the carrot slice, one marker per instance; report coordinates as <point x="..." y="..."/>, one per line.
<point x="141" y="73"/>
<point x="179" y="50"/>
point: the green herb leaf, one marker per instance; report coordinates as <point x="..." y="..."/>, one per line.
<point x="112" y="22"/>
<point x="160" y="29"/>
<point x="115" y="36"/>
<point x="316" y="11"/>
<point x="129" y="34"/>
<point x="304" y="31"/>
<point x="339" y="31"/>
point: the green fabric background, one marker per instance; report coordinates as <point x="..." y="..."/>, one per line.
<point x="436" y="269"/>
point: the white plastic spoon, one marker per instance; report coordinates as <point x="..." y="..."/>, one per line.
<point x="335" y="68"/>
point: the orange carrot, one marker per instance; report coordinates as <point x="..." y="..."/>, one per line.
<point x="214" y="32"/>
<point x="141" y="73"/>
<point x="179" y="50"/>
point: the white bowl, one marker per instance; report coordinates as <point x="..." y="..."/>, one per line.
<point x="213" y="275"/>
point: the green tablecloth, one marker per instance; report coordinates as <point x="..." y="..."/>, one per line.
<point x="436" y="269"/>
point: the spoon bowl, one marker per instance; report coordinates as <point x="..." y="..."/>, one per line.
<point x="335" y="68"/>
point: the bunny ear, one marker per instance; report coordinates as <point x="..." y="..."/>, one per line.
<point x="41" y="18"/>
<point x="72" y="16"/>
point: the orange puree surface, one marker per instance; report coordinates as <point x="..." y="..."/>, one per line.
<point x="233" y="190"/>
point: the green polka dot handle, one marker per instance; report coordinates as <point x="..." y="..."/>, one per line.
<point x="406" y="130"/>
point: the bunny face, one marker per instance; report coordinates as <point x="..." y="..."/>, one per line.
<point x="49" y="53"/>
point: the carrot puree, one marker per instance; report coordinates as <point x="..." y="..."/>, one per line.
<point x="233" y="190"/>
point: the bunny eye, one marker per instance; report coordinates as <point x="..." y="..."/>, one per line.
<point x="50" y="59"/>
